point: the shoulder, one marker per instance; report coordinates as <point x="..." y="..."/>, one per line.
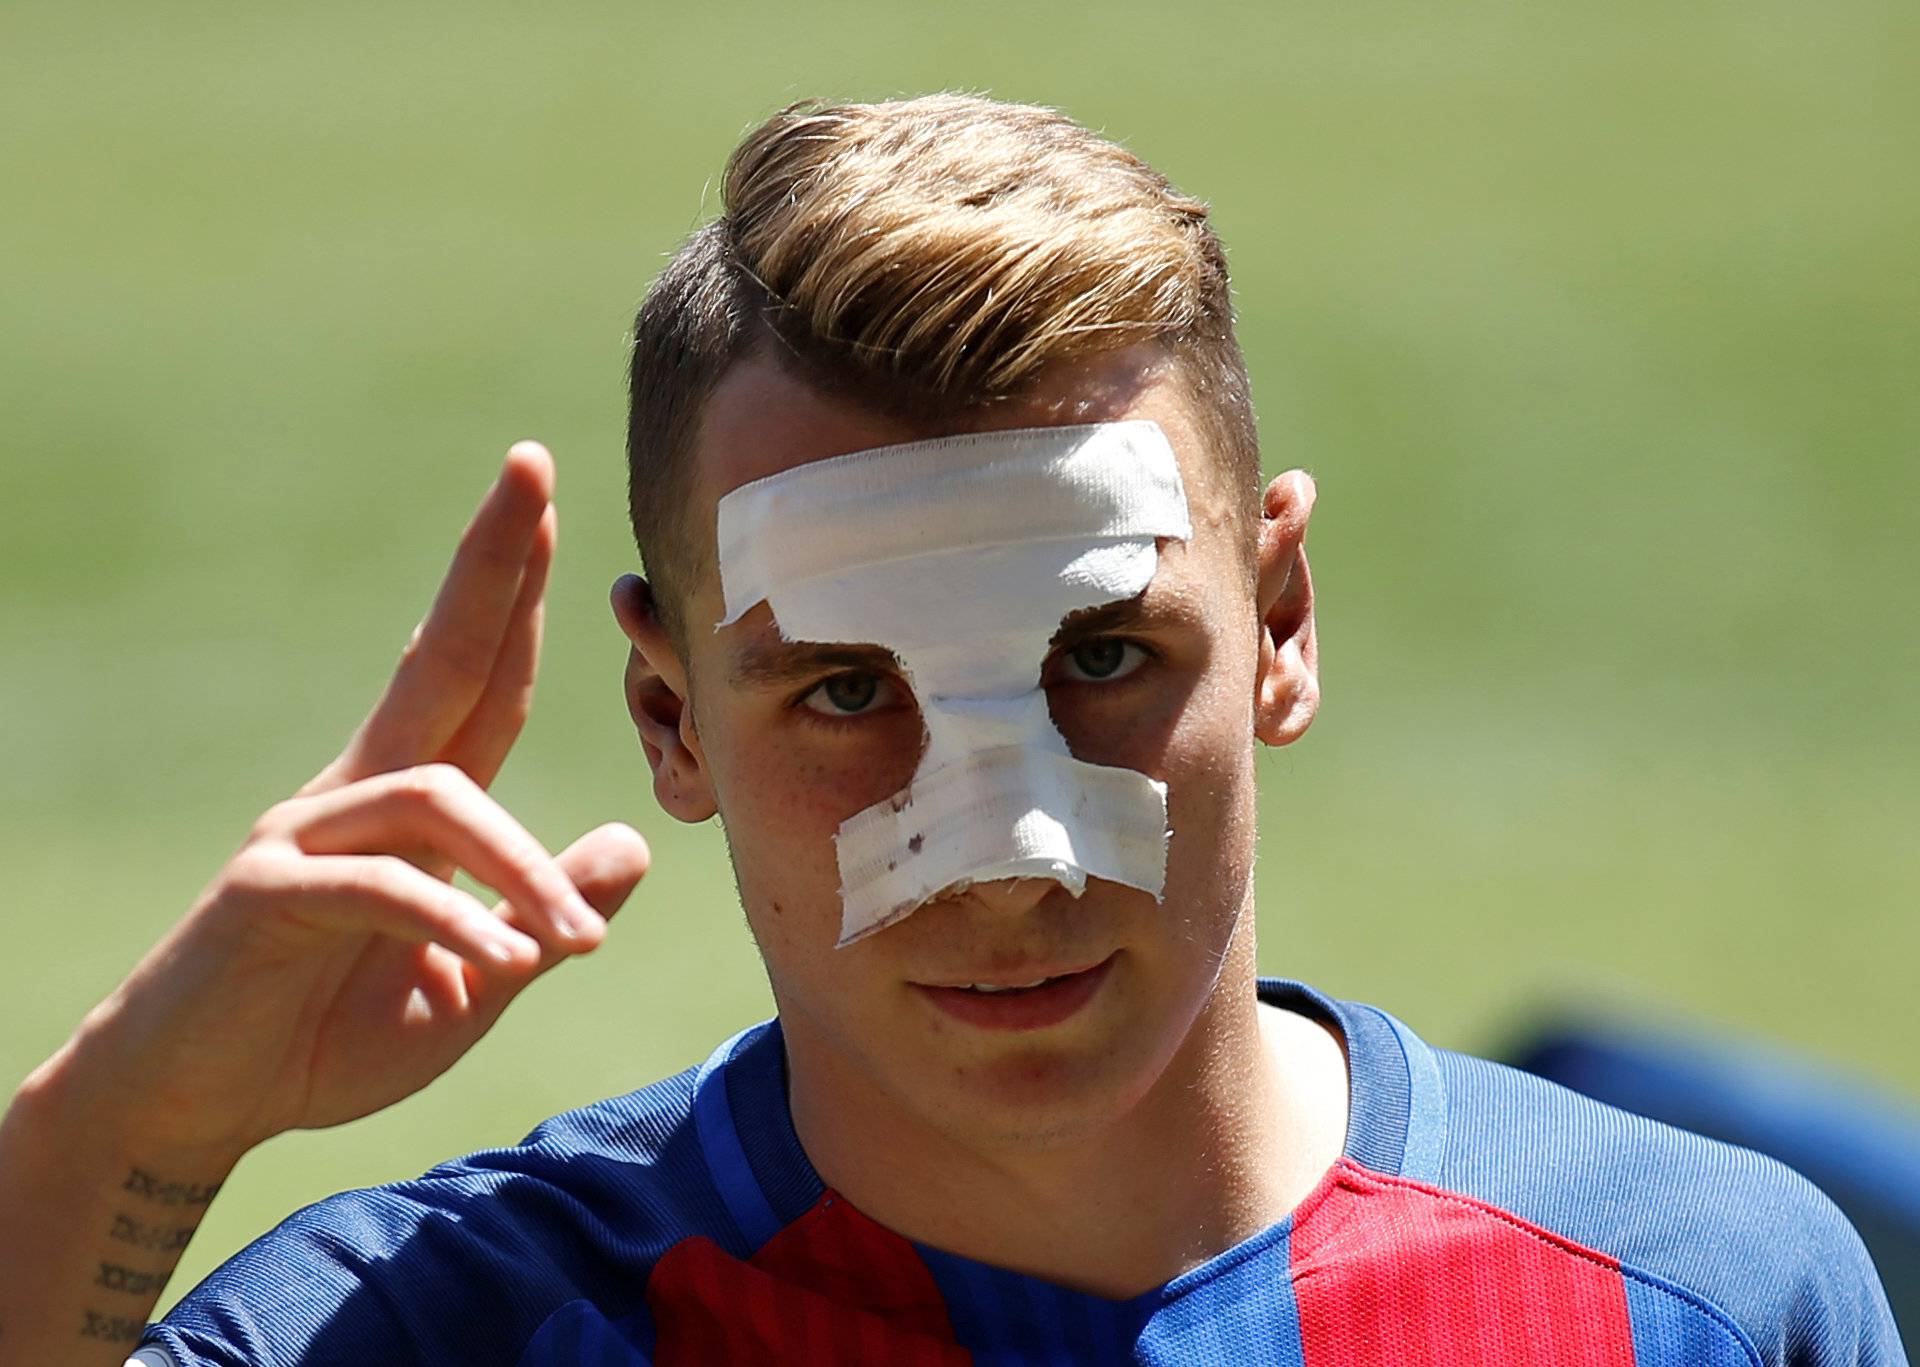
<point x="466" y="1261"/>
<point x="1700" y="1228"/>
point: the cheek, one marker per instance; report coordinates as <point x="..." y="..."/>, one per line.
<point x="1208" y="765"/>
<point x="784" y="787"/>
<point x="1209" y="774"/>
<point x="1183" y="709"/>
<point x="1129" y="726"/>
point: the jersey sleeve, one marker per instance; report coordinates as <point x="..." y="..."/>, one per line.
<point x="465" y="1263"/>
<point x="420" y="1273"/>
<point x="1747" y="1242"/>
<point x="1834" y="1312"/>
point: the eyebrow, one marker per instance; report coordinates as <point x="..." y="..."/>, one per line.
<point x="772" y="663"/>
<point x="765" y="664"/>
<point x="1128" y="612"/>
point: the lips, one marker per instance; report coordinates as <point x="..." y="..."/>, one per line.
<point x="1017" y="975"/>
<point x="1020" y="999"/>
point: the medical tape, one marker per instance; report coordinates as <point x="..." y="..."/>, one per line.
<point x="964" y="492"/>
<point x="962" y="555"/>
<point x="1015" y="812"/>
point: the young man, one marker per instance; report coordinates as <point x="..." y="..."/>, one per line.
<point x="967" y="610"/>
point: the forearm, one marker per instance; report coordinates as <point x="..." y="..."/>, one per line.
<point x="93" y="1221"/>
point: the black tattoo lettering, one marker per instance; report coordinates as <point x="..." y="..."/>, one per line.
<point x="143" y="1183"/>
<point x="113" y="1328"/>
<point x="155" y="1237"/>
<point x="130" y="1279"/>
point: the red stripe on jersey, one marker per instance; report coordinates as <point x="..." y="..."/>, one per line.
<point x="832" y="1287"/>
<point x="1387" y="1270"/>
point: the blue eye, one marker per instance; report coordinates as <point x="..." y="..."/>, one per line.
<point x="1101" y="659"/>
<point x="844" y="695"/>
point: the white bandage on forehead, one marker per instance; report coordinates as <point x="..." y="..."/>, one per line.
<point x="962" y="555"/>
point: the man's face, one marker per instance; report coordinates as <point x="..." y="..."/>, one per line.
<point x="793" y="738"/>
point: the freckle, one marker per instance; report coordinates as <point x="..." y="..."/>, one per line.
<point x="913" y="845"/>
<point x="891" y="866"/>
<point x="776" y="908"/>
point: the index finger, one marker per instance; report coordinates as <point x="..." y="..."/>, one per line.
<point x="445" y="668"/>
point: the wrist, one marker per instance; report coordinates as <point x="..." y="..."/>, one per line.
<point x="82" y="1102"/>
<point x="95" y="1214"/>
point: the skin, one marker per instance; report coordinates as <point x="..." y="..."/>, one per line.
<point x="328" y="969"/>
<point x="1046" y="1150"/>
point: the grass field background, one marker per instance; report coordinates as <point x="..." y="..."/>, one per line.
<point x="1597" y="324"/>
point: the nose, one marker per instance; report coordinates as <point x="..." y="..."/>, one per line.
<point x="959" y="725"/>
<point x="1011" y="896"/>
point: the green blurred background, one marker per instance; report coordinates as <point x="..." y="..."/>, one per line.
<point x="1597" y="324"/>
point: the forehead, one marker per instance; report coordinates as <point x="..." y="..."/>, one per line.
<point x="762" y="420"/>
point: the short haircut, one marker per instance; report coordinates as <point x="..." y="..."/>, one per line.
<point x="924" y="259"/>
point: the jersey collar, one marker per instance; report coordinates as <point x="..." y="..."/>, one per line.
<point x="1396" y="1118"/>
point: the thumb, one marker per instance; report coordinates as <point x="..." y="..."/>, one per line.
<point x="604" y="864"/>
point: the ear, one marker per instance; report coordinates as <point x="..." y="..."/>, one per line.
<point x="1287" y="687"/>
<point x="657" y="693"/>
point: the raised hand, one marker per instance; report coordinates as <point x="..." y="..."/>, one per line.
<point x="328" y="970"/>
<point x="331" y="968"/>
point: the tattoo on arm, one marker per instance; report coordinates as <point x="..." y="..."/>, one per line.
<point x="131" y="1280"/>
<point x="156" y="1238"/>
<point x="167" y="1238"/>
<point x="143" y="1183"/>
<point x="113" y="1328"/>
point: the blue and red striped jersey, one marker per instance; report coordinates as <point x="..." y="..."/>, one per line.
<point x="1477" y="1216"/>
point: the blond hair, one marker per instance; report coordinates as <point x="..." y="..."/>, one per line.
<point x="924" y="258"/>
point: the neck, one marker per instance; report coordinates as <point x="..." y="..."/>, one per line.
<point x="1252" y="1109"/>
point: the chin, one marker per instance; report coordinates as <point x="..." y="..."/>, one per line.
<point x="1038" y="1094"/>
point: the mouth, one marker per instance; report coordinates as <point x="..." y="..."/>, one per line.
<point x="1023" y="1004"/>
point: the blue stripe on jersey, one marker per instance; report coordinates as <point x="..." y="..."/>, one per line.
<point x="579" y="1335"/>
<point x="733" y="1176"/>
<point x="1668" y="1333"/>
<point x="1426" y="1105"/>
<point x="992" y="1312"/>
<point x="757" y="1093"/>
<point x="1380" y="1092"/>
<point x="1237" y="1308"/>
<point x="1008" y="1320"/>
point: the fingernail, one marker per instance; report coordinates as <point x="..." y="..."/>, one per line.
<point x="499" y="951"/>
<point x="585" y="922"/>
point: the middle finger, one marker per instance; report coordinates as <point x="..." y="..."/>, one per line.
<point x="440" y="809"/>
<point x="445" y="669"/>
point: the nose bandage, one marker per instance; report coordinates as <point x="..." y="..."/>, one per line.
<point x="961" y="556"/>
